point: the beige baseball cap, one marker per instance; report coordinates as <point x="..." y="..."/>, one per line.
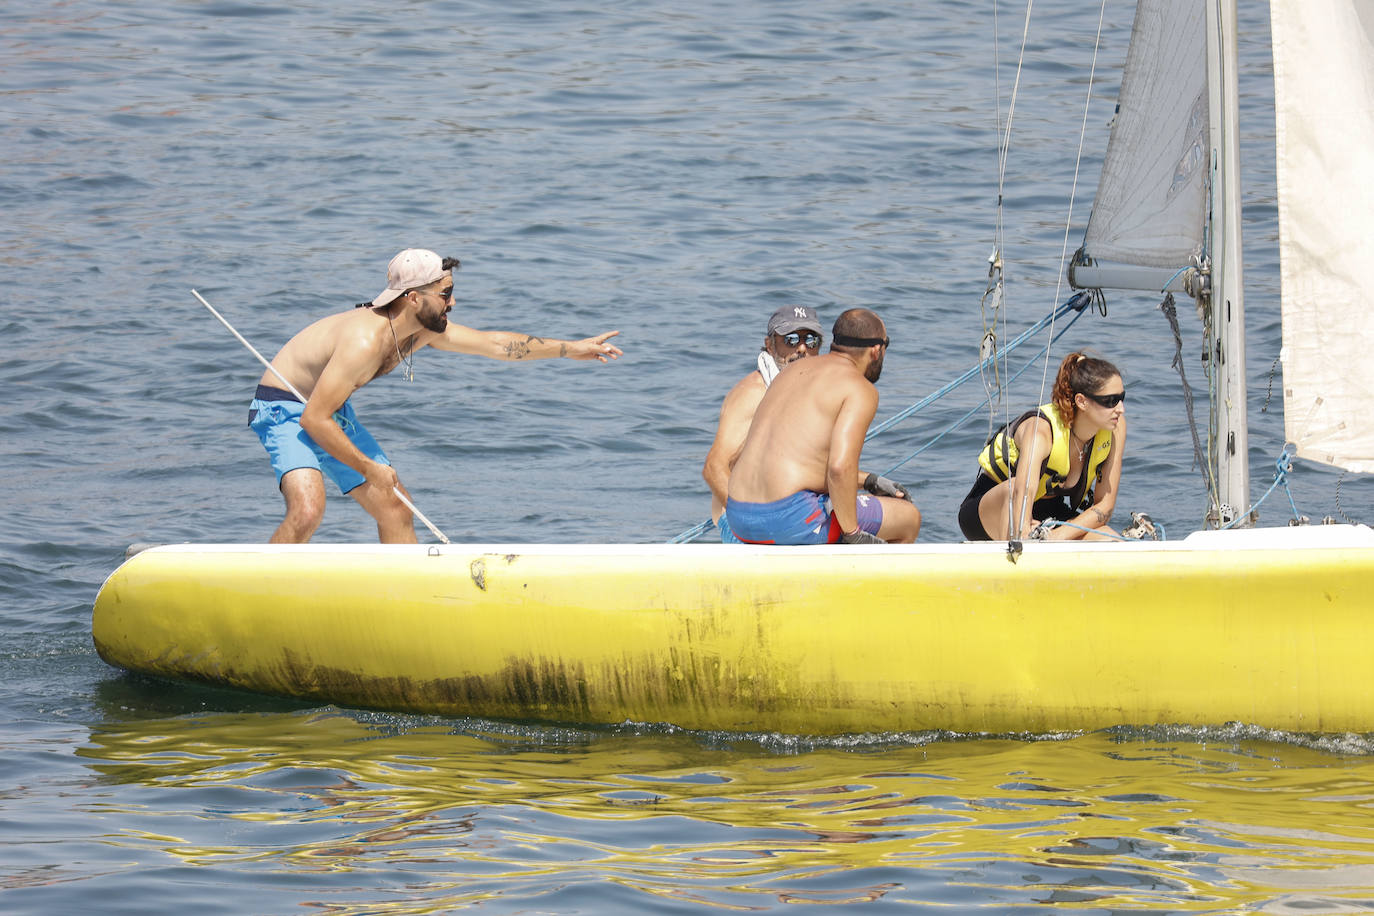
<point x="409" y="269"/>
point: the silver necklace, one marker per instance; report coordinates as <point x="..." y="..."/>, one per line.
<point x="408" y="370"/>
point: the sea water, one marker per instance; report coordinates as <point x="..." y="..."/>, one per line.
<point x="672" y="171"/>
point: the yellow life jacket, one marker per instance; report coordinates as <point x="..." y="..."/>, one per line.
<point x="998" y="457"/>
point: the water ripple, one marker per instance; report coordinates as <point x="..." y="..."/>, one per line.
<point x="674" y="172"/>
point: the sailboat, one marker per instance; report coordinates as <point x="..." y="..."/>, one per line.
<point x="1267" y="626"/>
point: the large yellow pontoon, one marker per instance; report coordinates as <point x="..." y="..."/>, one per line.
<point x="1273" y="627"/>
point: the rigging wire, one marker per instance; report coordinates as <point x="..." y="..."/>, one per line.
<point x="993" y="383"/>
<point x="996" y="276"/>
<point x="1014" y="518"/>
<point x="1076" y="303"/>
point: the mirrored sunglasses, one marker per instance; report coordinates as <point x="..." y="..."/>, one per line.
<point x="812" y="339"/>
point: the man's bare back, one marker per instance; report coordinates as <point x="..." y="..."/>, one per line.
<point x="799" y="430"/>
<point x="804" y="443"/>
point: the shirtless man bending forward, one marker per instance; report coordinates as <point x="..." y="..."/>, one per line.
<point x="796" y="480"/>
<point x="341" y="353"/>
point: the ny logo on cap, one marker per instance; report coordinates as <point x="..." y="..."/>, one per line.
<point x="799" y="311"/>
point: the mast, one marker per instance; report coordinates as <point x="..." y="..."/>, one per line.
<point x="1225" y="355"/>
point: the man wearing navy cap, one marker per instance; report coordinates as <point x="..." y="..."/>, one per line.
<point x="794" y="332"/>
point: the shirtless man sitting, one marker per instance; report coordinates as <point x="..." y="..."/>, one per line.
<point x="794" y="332"/>
<point x="337" y="355"/>
<point x="797" y="477"/>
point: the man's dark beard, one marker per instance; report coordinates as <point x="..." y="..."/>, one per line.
<point x="874" y="369"/>
<point x="432" y="321"/>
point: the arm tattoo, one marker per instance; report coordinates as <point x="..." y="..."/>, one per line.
<point x="562" y="349"/>
<point x="519" y="349"/>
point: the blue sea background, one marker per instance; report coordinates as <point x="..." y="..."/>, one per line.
<point x="672" y="171"/>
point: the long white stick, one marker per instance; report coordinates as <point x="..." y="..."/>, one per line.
<point x="300" y="397"/>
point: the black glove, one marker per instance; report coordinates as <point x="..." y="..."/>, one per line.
<point x="881" y="486"/>
<point x="861" y="537"/>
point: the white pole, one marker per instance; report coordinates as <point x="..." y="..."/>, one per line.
<point x="292" y="388"/>
<point x="1226" y="348"/>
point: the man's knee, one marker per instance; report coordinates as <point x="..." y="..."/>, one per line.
<point x="901" y="521"/>
<point x="383" y="505"/>
<point x="393" y="512"/>
<point x="303" y="490"/>
<point x="395" y="521"/>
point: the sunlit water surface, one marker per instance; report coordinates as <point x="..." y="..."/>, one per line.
<point x="673" y="171"/>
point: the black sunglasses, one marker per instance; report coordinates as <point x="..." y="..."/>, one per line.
<point x="445" y="294"/>
<point x="1106" y="400"/>
<point x="813" y="340"/>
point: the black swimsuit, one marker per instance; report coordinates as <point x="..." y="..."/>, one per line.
<point x="1055" y="506"/>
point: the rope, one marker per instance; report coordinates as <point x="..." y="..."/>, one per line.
<point x="979" y="406"/>
<point x="1282" y="467"/>
<point x="1078" y="302"/>
<point x="691" y="534"/>
<point x="1049" y="523"/>
<point x="1348" y="519"/>
<point x="1269" y="389"/>
<point x="1014" y="518"/>
<point x="1171" y="313"/>
<point x="1212" y="371"/>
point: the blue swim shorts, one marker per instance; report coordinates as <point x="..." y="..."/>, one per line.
<point x="275" y="415"/>
<point x="802" y="518"/>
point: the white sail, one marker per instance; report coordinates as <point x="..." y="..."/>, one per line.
<point x="1149" y="208"/>
<point x="1324" y="114"/>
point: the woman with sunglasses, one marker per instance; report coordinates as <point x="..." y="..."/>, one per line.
<point x="1075" y="443"/>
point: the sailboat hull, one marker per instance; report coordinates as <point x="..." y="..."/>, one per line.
<point x="817" y="640"/>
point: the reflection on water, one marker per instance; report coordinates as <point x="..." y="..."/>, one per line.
<point x="416" y="814"/>
<point x="674" y="170"/>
